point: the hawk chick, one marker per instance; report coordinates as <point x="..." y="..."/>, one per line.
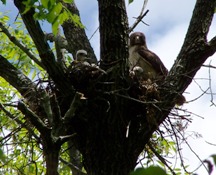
<point x="81" y="56"/>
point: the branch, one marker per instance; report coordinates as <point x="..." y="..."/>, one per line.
<point x="17" y="79"/>
<point x="46" y="104"/>
<point x="139" y="19"/>
<point x="60" y="51"/>
<point x="35" y="120"/>
<point x="19" y="122"/>
<point x="192" y="56"/>
<point x="58" y="39"/>
<point x="34" y="30"/>
<point x="212" y="44"/>
<point x="161" y="158"/>
<point x="71" y="111"/>
<point x="74" y="168"/>
<point x="19" y="44"/>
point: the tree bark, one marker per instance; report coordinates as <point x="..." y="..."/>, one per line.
<point x="76" y="36"/>
<point x="51" y="155"/>
<point x="113" y="35"/>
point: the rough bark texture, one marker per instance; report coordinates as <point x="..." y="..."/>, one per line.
<point x="76" y="35"/>
<point x="113" y="35"/>
<point x="113" y="102"/>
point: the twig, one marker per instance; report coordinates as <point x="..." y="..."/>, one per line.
<point x="139" y="18"/>
<point x="178" y="146"/>
<point x="209" y="66"/>
<point x="210" y="87"/>
<point x="198" y="96"/>
<point x="161" y="158"/>
<point x="93" y="33"/>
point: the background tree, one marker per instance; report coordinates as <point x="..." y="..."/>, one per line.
<point x="100" y="117"/>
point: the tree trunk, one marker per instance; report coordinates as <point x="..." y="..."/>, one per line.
<point x="113" y="35"/>
<point x="52" y="158"/>
<point x="105" y="146"/>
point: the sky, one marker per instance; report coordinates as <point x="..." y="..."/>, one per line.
<point x="168" y="21"/>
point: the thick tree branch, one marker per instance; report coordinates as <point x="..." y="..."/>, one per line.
<point x="29" y="91"/>
<point x="195" y="49"/>
<point x="35" y="120"/>
<point x="212" y="43"/>
<point x="17" y="79"/>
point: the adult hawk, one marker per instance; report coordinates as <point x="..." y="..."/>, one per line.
<point x="143" y="62"/>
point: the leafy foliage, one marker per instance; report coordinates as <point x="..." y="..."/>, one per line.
<point x="52" y="11"/>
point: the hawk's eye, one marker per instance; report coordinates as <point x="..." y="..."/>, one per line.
<point x="137" y="37"/>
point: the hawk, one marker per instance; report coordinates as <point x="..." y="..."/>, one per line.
<point x="146" y="64"/>
<point x="143" y="62"/>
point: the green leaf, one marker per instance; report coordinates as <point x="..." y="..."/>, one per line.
<point x="53" y="14"/>
<point x="3" y="1"/>
<point x="2" y="156"/>
<point x="152" y="170"/>
<point x="68" y="1"/>
<point x="55" y="27"/>
<point x="214" y="158"/>
<point x="45" y="3"/>
<point x="130" y="1"/>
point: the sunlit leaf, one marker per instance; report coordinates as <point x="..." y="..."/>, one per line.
<point x="68" y="1"/>
<point x="53" y="14"/>
<point x="45" y="3"/>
